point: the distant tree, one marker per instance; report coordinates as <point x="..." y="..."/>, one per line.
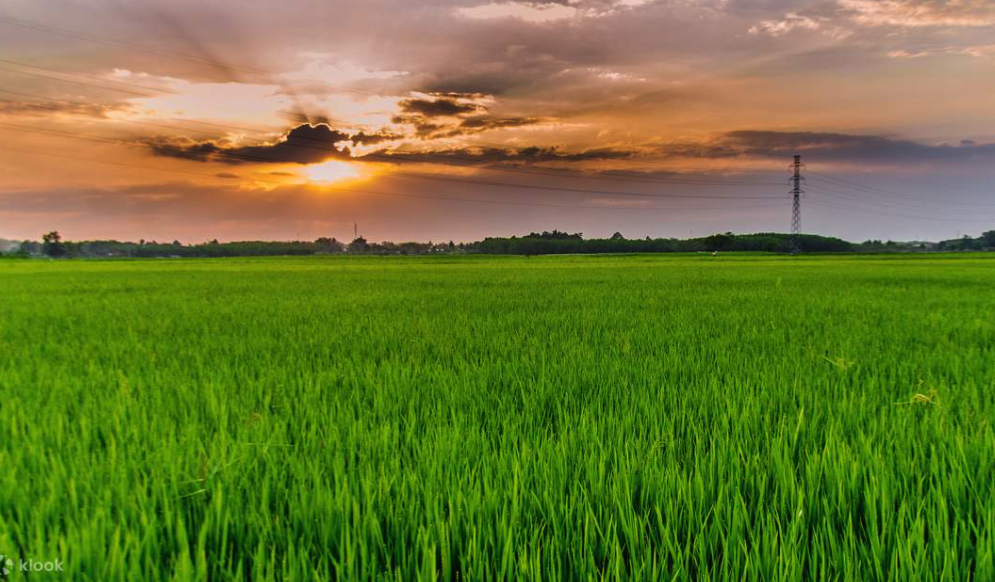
<point x="328" y="245"/>
<point x="618" y="236"/>
<point x="358" y="245"/>
<point x="989" y="239"/>
<point x="719" y="242"/>
<point x="52" y="244"/>
<point x="556" y="235"/>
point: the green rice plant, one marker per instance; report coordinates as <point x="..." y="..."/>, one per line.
<point x="657" y="417"/>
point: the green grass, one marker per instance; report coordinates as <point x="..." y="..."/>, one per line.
<point x="637" y="417"/>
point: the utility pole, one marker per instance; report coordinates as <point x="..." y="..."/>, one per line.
<point x="355" y="230"/>
<point x="796" y="210"/>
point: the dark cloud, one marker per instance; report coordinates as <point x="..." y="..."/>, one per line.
<point x="488" y="155"/>
<point x="822" y="146"/>
<point x="689" y="149"/>
<point x="365" y="139"/>
<point x="186" y="148"/>
<point x="226" y="175"/>
<point x="304" y="144"/>
<point x="426" y="128"/>
<point x="443" y="107"/>
<point x="307" y="144"/>
<point x="458" y="95"/>
<point x="851" y="148"/>
<point x="484" y="122"/>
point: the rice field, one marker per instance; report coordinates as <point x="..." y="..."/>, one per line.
<point x="638" y="417"/>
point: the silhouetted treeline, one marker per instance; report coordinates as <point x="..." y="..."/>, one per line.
<point x="561" y="243"/>
<point x="536" y="243"/>
<point x="53" y="246"/>
<point x="985" y="242"/>
<point x="113" y="248"/>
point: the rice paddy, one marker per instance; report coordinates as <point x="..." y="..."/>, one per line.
<point x="487" y="418"/>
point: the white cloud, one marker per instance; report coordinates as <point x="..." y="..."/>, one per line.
<point x="921" y="13"/>
<point x="550" y="11"/>
<point x="903" y="54"/>
<point x="522" y="11"/>
<point x="790" y="22"/>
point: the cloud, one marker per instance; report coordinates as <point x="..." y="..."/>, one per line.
<point x="475" y="156"/>
<point x="186" y="148"/>
<point x="431" y="129"/>
<point x="527" y="11"/>
<point x="308" y="144"/>
<point x="743" y="144"/>
<point x="449" y="114"/>
<point x="921" y="13"/>
<point x="486" y="123"/>
<point x="858" y="149"/>
<point x="368" y="139"/>
<point x="304" y="144"/>
<point x="550" y="11"/>
<point x="442" y="107"/>
<point x="790" y="22"/>
<point x="74" y="108"/>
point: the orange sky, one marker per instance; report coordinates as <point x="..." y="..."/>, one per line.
<point x="456" y="120"/>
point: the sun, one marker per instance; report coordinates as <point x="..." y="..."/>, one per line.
<point x="331" y="171"/>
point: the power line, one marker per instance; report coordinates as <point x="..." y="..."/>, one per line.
<point x="141" y="48"/>
<point x="120" y="44"/>
<point x="442" y="198"/>
<point x="617" y="176"/>
<point x="840" y="182"/>
<point x="115" y="43"/>
<point x="448" y="157"/>
<point x="81" y="83"/>
<point x="179" y="120"/>
<point x="475" y="182"/>
<point x="476" y="201"/>
<point x="843" y="196"/>
<point x="75" y="34"/>
<point x="57" y="71"/>
<point x="268" y="159"/>
<point x="481" y="183"/>
<point x="885" y="213"/>
<point x="392" y="194"/>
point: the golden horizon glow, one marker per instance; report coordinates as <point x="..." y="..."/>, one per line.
<point x="331" y="172"/>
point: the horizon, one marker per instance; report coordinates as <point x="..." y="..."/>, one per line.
<point x="444" y="240"/>
<point x="461" y="120"/>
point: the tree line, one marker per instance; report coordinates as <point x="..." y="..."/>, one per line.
<point x="54" y="246"/>
<point x="535" y="243"/>
<point x="985" y="242"/>
<point x="556" y="242"/>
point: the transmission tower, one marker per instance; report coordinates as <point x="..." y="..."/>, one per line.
<point x="796" y="209"/>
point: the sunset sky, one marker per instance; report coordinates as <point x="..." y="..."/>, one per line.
<point x="459" y="119"/>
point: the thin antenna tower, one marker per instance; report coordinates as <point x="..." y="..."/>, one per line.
<point x="796" y="210"/>
<point x="355" y="230"/>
